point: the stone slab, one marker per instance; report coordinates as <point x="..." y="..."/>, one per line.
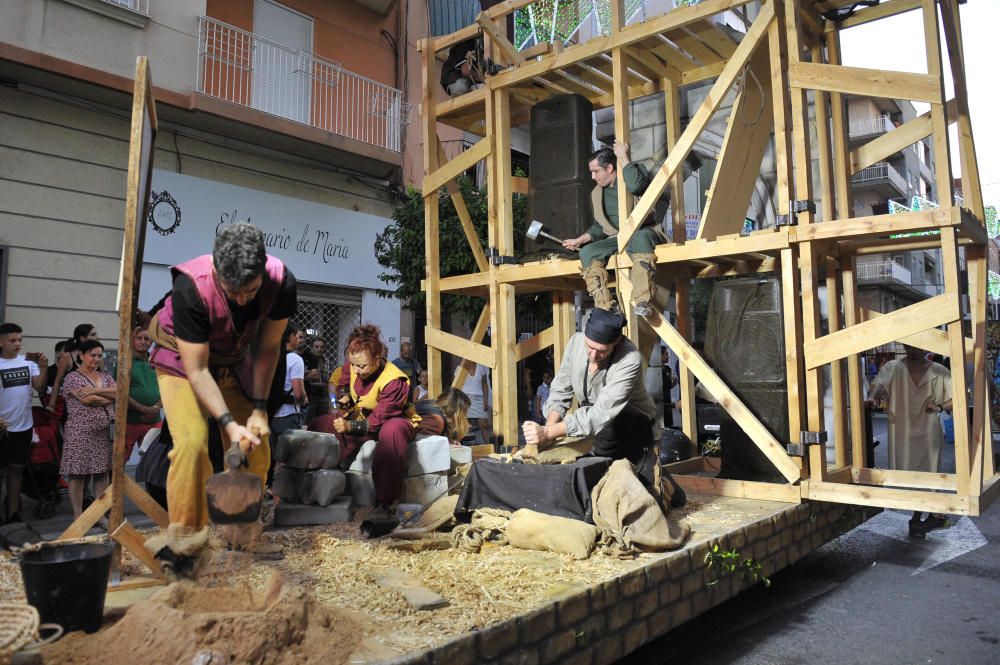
<point x="428" y="454"/>
<point x="301" y="449"/>
<point x="296" y="514"/>
<point x="363" y="460"/>
<point x="322" y="486"/>
<point x="286" y="483"/>
<point x="425" y="488"/>
<point x="361" y="488"/>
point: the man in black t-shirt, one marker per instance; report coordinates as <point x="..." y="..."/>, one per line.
<point x="314" y="359"/>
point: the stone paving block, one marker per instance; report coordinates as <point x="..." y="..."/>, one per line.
<point x="537" y="625"/>
<point x="286" y="484"/>
<point x="429" y="454"/>
<point x="301" y="449"/>
<point x="361" y="488"/>
<point x="294" y="514"/>
<point x="573" y="609"/>
<point x="604" y="595"/>
<point x="498" y="640"/>
<point x="425" y="488"/>
<point x="322" y="486"/>
<point x="620" y="615"/>
<point x="557" y="646"/>
<point x="634" y="636"/>
<point x="590" y="631"/>
<point x="609" y="650"/>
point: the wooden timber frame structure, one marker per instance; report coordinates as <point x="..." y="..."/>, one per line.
<point x="795" y="53"/>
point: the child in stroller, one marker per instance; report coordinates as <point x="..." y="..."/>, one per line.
<point x="42" y="481"/>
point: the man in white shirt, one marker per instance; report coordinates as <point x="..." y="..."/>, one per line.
<point x="18" y="376"/>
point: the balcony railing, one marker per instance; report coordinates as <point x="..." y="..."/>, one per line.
<point x="880" y="173"/>
<point x="879" y="124"/>
<point x="884" y="271"/>
<point x="240" y="67"/>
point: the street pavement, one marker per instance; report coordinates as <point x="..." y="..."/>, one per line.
<point x="871" y="597"/>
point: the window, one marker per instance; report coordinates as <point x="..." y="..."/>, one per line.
<point x="282" y="77"/>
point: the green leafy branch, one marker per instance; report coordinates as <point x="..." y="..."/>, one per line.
<point x="732" y="562"/>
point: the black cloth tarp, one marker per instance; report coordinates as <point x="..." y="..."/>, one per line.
<point x="553" y="489"/>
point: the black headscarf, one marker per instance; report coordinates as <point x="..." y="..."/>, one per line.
<point x="604" y="327"/>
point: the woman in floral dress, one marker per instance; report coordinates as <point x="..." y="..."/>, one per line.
<point x="90" y="399"/>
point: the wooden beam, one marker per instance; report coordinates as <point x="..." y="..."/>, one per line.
<point x="628" y="36"/>
<point x="854" y="378"/>
<point x="936" y="311"/>
<point x="132" y="540"/>
<point x="478" y="332"/>
<point x="145" y="502"/>
<point x="742" y="489"/>
<point x="865" y="82"/>
<point x="913" y="130"/>
<point x="459" y="346"/>
<point x="88" y="518"/>
<point x="791" y="314"/>
<point x="932" y="340"/>
<point x="844" y="229"/>
<point x="535" y="343"/>
<point x="464" y="218"/>
<point x="887" y="497"/>
<point x="500" y="39"/>
<point x="912" y="479"/>
<point x="698" y="123"/>
<point x="455" y="105"/>
<point x="886" y="9"/>
<point x="451" y="170"/>
<point x="432" y="211"/>
<point x="748" y="134"/>
<point x="728" y="400"/>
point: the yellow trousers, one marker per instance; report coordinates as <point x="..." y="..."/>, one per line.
<point x="190" y="467"/>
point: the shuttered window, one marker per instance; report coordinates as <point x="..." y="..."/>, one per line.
<point x="282" y="59"/>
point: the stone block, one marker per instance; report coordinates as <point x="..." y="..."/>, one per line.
<point x="321" y="487"/>
<point x="294" y="514"/>
<point x="656" y="573"/>
<point x="525" y="656"/>
<point x="573" y="609"/>
<point x="646" y="604"/>
<point x="609" y="650"/>
<point x="700" y="602"/>
<point x="460" y="454"/>
<point x="363" y="460"/>
<point x="429" y="454"/>
<point x="498" y="640"/>
<point x="659" y="623"/>
<point x="461" y="651"/>
<point x="557" y="646"/>
<point x="604" y="595"/>
<point x="301" y="449"/>
<point x="590" y="631"/>
<point x="632" y="583"/>
<point x="286" y="483"/>
<point x="680" y="564"/>
<point x="635" y="636"/>
<point x="361" y="488"/>
<point x="537" y="625"/>
<point x="620" y="615"/>
<point x="425" y="488"/>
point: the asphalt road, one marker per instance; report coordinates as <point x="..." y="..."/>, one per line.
<point x="873" y="596"/>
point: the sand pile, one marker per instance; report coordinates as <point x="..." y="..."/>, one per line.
<point x="186" y="623"/>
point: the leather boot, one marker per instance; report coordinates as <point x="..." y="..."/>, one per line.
<point x="596" y="278"/>
<point x="643" y="286"/>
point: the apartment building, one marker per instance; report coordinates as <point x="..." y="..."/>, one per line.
<point x="887" y="282"/>
<point x="290" y="114"/>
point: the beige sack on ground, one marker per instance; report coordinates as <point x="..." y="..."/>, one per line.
<point x="628" y="515"/>
<point x="530" y="530"/>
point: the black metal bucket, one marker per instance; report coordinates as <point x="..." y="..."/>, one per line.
<point x="67" y="583"/>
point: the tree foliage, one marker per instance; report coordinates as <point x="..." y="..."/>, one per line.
<point x="400" y="248"/>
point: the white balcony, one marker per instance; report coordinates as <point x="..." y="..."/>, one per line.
<point x="883" y="271"/>
<point x="872" y="126"/>
<point x="242" y="68"/>
<point x="883" y="177"/>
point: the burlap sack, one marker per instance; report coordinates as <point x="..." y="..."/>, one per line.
<point x="630" y="517"/>
<point x="537" y="531"/>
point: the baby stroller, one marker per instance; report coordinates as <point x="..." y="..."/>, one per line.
<point x="42" y="481"/>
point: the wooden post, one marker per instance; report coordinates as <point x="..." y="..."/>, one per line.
<point x="855" y="378"/>
<point x="838" y="114"/>
<point x="837" y="368"/>
<point x="138" y="182"/>
<point x="619" y="93"/>
<point x="432" y="212"/>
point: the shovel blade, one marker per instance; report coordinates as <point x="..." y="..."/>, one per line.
<point x="234" y="497"/>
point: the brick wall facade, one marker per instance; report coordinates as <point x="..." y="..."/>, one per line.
<point x="614" y="618"/>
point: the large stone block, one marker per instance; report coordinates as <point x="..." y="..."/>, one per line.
<point x="296" y="514"/>
<point x="301" y="449"/>
<point x="363" y="460"/>
<point x="460" y="454"/>
<point x="322" y="486"/>
<point x="286" y="484"/>
<point x="426" y="488"/>
<point x="361" y="488"/>
<point x="428" y="454"/>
